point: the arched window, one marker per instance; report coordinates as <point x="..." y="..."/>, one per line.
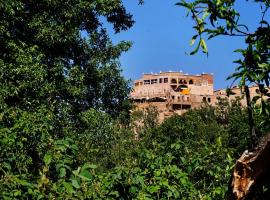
<point x="190" y="82"/>
<point x="173" y="80"/>
<point x="204" y="99"/>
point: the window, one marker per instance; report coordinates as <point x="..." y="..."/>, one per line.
<point x="173" y="81"/>
<point x="136" y="84"/>
<point x="160" y="80"/>
<point x="209" y="99"/>
<point x="173" y="97"/>
<point x="204" y="99"/>
<point x="182" y="81"/>
<point x="190" y="82"/>
<point x="181" y="107"/>
<point x="186" y="107"/>
<point x="177" y="107"/>
<point x="146" y="82"/>
<point x="153" y="81"/>
<point x="165" y="80"/>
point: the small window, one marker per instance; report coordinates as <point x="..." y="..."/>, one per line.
<point x="209" y="99"/>
<point x="177" y="107"/>
<point x="160" y="80"/>
<point x="204" y="99"/>
<point x="184" y="82"/>
<point x="173" y="81"/>
<point x="180" y="81"/>
<point x="146" y="82"/>
<point x="190" y="82"/>
<point x="173" y="97"/>
<point x="136" y="84"/>
<point x="165" y="80"/>
<point x="186" y="107"/>
<point x="153" y="81"/>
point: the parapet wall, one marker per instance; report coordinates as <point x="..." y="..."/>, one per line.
<point x="167" y="82"/>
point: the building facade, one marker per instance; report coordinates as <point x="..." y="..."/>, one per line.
<point x="176" y="92"/>
<point x="173" y="92"/>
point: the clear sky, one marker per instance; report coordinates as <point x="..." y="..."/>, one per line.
<point x="161" y="37"/>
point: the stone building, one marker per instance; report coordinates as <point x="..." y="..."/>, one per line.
<point x="236" y="92"/>
<point x="173" y="92"/>
<point x="176" y="92"/>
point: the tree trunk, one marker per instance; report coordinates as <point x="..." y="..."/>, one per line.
<point x="253" y="135"/>
<point x="252" y="172"/>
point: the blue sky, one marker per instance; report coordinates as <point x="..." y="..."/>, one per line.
<point x="161" y="37"/>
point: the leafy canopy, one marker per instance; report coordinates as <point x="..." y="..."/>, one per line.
<point x="215" y="18"/>
<point x="56" y="62"/>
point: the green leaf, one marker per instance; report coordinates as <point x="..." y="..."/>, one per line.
<point x="133" y="189"/>
<point x="17" y="193"/>
<point x="62" y="172"/>
<point x="204" y="46"/>
<point x="195" y="50"/>
<point x="47" y="159"/>
<point x="193" y="39"/>
<point x="239" y="51"/>
<point x="88" y="166"/>
<point x="153" y="189"/>
<point x="183" y="181"/>
<point x="205" y="14"/>
<point x="85" y="175"/>
<point x="75" y="183"/>
<point x="184" y="4"/>
<point x="68" y="187"/>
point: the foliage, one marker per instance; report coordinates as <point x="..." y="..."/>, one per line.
<point x="185" y="157"/>
<point x="59" y="75"/>
<point x="204" y="143"/>
<point x="144" y="123"/>
<point x="220" y="18"/>
<point x="65" y="127"/>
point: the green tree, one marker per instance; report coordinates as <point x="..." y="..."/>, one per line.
<point x="220" y="18"/>
<point x="56" y="62"/>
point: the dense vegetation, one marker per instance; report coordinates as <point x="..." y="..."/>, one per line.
<point x="220" y="18"/>
<point x="65" y="127"/>
<point x="185" y="157"/>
